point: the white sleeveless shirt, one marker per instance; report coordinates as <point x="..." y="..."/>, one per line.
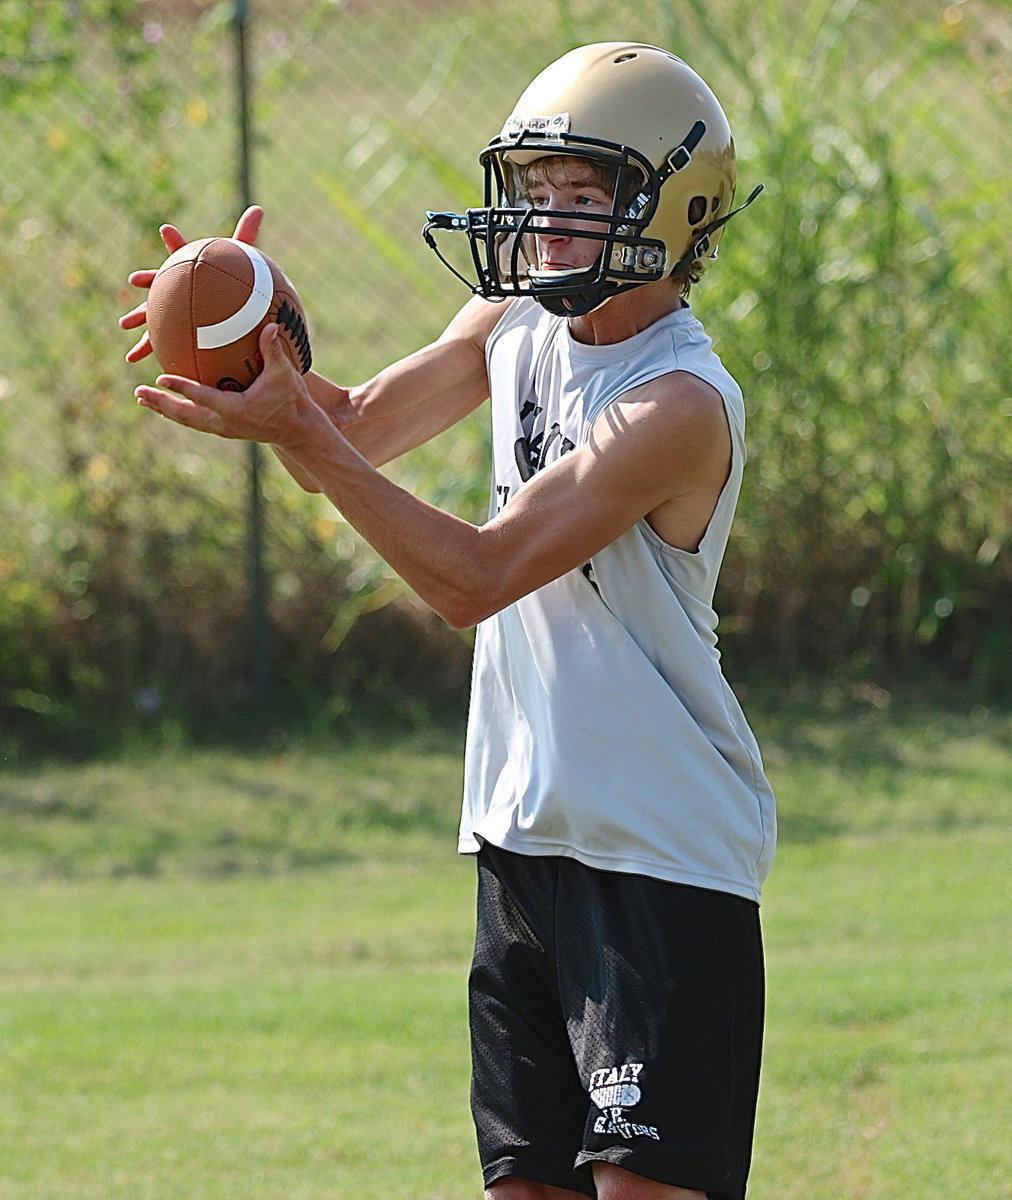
<point x="601" y="727"/>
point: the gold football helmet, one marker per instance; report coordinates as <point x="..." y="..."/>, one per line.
<point x="648" y="120"/>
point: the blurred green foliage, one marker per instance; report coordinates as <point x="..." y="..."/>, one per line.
<point x="863" y="301"/>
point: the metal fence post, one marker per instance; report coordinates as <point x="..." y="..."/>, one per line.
<point x="258" y="588"/>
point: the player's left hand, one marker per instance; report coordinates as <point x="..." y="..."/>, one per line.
<point x="247" y="230"/>
<point x="277" y="407"/>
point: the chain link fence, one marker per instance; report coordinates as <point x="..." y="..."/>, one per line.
<point x="864" y="302"/>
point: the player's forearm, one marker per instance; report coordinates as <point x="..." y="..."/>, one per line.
<point x="416" y="398"/>
<point x="389" y="415"/>
<point x="301" y="476"/>
<point x="440" y="556"/>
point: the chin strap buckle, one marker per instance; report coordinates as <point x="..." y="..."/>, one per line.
<point x="681" y="156"/>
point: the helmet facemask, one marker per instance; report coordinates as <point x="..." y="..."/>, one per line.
<point x="624" y="259"/>
<point x="502" y="233"/>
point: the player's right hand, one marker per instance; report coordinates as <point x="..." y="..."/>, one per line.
<point x="246" y="230"/>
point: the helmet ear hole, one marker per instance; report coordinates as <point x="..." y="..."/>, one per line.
<point x="714" y="204"/>
<point x="697" y="210"/>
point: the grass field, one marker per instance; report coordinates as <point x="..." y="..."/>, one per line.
<point x="226" y="974"/>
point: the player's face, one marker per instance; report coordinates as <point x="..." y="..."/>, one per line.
<point x="571" y="186"/>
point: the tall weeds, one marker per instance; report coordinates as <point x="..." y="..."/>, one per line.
<point x="868" y="332"/>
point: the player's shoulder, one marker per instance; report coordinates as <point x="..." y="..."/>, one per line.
<point x="674" y="414"/>
<point x="677" y="394"/>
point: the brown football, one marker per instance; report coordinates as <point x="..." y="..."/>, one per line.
<point x="206" y="308"/>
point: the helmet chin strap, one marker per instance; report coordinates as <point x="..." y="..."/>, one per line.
<point x="572" y="306"/>
<point x="701" y="242"/>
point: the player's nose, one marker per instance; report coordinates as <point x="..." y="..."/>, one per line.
<point x="551" y="224"/>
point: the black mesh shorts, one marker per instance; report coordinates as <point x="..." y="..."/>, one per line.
<point x="614" y="1018"/>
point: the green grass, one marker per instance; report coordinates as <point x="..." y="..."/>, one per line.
<point x="240" y="1037"/>
<point x="212" y="1010"/>
<point x="888" y="1048"/>
<point x="217" y="812"/>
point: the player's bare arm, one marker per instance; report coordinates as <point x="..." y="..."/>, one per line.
<point x="420" y="396"/>
<point x="413" y="400"/>
<point x="662" y="453"/>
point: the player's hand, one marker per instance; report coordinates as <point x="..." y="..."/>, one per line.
<point x="276" y="408"/>
<point x="247" y="230"/>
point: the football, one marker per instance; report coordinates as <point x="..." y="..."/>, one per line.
<point x="207" y="305"/>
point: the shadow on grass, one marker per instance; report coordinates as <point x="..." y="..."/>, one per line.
<point x="277" y="805"/>
<point x="864" y="761"/>
<point x="279" y="798"/>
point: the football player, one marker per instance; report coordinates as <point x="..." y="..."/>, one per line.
<point x="615" y="799"/>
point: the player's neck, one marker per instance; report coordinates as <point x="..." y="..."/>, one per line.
<point x="626" y="314"/>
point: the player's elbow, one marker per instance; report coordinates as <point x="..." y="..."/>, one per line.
<point x="472" y="596"/>
<point x="460" y="621"/>
<point x="464" y="610"/>
<point x="471" y="579"/>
